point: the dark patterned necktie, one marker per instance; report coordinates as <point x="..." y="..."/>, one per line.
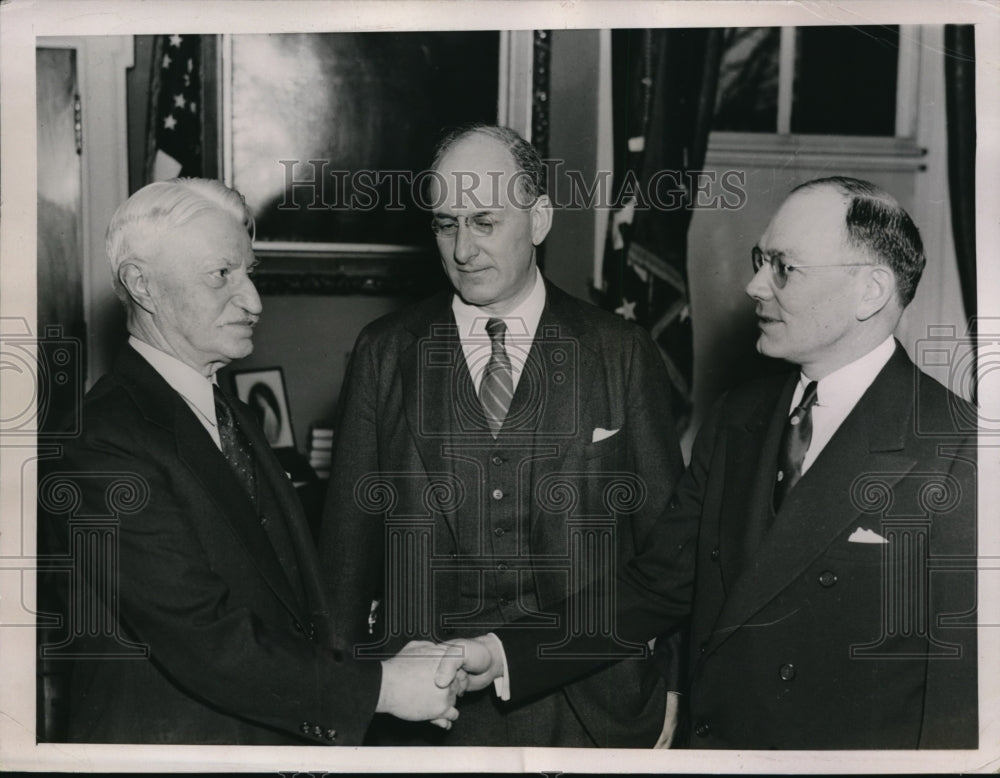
<point x="235" y="446"/>
<point x="794" y="444"/>
<point x="497" y="387"/>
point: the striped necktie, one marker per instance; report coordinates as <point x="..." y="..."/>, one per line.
<point x="794" y="444"/>
<point x="497" y="388"/>
<point x="235" y="446"/>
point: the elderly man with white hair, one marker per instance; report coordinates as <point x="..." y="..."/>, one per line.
<point x="213" y="585"/>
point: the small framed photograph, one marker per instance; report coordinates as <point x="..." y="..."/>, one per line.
<point x="264" y="391"/>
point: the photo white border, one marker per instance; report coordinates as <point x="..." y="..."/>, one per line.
<point x="21" y="21"/>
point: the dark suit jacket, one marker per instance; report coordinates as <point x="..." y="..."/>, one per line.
<point x="232" y="648"/>
<point x="802" y="638"/>
<point x="399" y="462"/>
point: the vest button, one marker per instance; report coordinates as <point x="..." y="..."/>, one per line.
<point x="501" y="566"/>
<point x="827" y="578"/>
<point x="702" y="729"/>
<point x="498" y="494"/>
<point x="499" y="532"/>
<point x="714" y="554"/>
<point x="503" y="601"/>
<point x="496" y="459"/>
<point x="787" y="672"/>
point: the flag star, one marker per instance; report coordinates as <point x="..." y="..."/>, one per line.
<point x="175" y="41"/>
<point x="179" y="101"/>
<point x="626" y="310"/>
<point x="169" y="123"/>
<point x="166" y="61"/>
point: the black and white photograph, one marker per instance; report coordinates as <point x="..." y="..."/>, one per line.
<point x="499" y="387"/>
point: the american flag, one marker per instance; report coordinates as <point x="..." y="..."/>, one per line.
<point x="664" y="82"/>
<point x="174" y="138"/>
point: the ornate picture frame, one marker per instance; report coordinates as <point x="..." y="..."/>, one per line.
<point x="352" y="120"/>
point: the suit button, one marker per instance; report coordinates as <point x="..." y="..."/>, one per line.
<point x="318" y="730"/>
<point x="499" y="532"/>
<point x="787" y="672"/>
<point x="702" y="729"/>
<point x="827" y="578"/>
<point x="331" y="734"/>
<point x="497" y="494"/>
<point x="263" y="521"/>
<point x="714" y="554"/>
<point x="496" y="459"/>
<point x="501" y="566"/>
<point x="304" y="728"/>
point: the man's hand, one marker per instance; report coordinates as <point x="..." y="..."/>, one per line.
<point x="410" y="688"/>
<point x="480" y="657"/>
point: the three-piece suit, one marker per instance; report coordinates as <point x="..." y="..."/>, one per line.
<point x="434" y="529"/>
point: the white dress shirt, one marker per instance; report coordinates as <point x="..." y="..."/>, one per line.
<point x="192" y="386"/>
<point x="837" y="394"/>
<point x="522" y="323"/>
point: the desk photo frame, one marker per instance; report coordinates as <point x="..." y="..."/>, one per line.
<point x="263" y="389"/>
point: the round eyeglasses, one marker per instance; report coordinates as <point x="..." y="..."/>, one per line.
<point x="780" y="269"/>
<point x="479" y="224"/>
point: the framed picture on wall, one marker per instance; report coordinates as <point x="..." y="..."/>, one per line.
<point x="327" y="134"/>
<point x="264" y="391"/>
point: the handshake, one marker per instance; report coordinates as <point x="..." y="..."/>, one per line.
<point x="424" y="680"/>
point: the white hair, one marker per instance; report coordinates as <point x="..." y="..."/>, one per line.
<point x="162" y="206"/>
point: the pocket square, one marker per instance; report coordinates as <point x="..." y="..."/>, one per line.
<point x="602" y="434"/>
<point x="865" y="536"/>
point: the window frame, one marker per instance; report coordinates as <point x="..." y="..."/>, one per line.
<point x="900" y="151"/>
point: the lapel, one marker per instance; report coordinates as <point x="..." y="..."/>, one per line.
<point x="271" y="475"/>
<point x="871" y="439"/>
<point x="432" y="371"/>
<point x="555" y="383"/>
<point x="162" y="406"/>
<point x="562" y="366"/>
<point x="754" y="440"/>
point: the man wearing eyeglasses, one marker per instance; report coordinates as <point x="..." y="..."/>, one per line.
<point x="824" y="535"/>
<point x="498" y="447"/>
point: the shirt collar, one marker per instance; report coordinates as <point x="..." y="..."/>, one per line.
<point x="183" y="379"/>
<point x="844" y="386"/>
<point x="522" y="322"/>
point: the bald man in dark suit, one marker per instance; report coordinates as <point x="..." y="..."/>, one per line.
<point x="823" y="538"/>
